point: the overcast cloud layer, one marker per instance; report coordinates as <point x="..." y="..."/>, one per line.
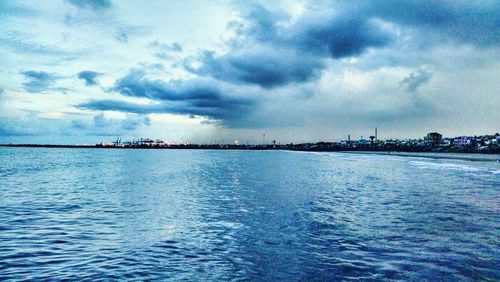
<point x="84" y="71"/>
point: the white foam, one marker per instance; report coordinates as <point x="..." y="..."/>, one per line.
<point x="452" y="166"/>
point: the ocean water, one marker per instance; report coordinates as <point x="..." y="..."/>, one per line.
<point x="97" y="214"/>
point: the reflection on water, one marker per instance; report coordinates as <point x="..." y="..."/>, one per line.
<point x="196" y="215"/>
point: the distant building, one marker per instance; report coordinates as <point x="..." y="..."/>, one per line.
<point x="464" y="141"/>
<point x="391" y="143"/>
<point x="363" y="143"/>
<point x="433" y="139"/>
<point x="446" y="142"/>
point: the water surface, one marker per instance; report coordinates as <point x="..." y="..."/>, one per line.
<point x="245" y="215"/>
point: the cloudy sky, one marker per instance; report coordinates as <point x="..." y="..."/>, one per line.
<point x="85" y="71"/>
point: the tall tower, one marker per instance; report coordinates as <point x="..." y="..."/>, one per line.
<point x="376" y="138"/>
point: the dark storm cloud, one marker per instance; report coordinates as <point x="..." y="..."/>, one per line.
<point x="416" y="79"/>
<point x="339" y="36"/>
<point x="270" y="50"/>
<point x="472" y="22"/>
<point x="122" y="106"/>
<point x="91" y="4"/>
<point x="268" y="54"/>
<point x="90" y="77"/>
<point x="200" y="93"/>
<point x="136" y="84"/>
<point x="258" y="22"/>
<point x="192" y="98"/>
<point x="265" y="67"/>
<point x="227" y="115"/>
<point x="37" y="81"/>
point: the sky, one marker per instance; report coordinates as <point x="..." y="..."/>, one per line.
<point x="87" y="71"/>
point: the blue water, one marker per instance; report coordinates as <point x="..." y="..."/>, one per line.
<point x="75" y="214"/>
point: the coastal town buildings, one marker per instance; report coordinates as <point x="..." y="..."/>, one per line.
<point x="432" y="142"/>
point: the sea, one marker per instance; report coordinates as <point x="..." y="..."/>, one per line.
<point x="209" y="215"/>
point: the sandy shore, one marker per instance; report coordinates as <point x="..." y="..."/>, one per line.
<point x="454" y="156"/>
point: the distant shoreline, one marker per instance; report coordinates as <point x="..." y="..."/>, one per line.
<point x="457" y="155"/>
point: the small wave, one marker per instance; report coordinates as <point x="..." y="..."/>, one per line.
<point x="318" y="153"/>
<point x="339" y="154"/>
<point x="453" y="166"/>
